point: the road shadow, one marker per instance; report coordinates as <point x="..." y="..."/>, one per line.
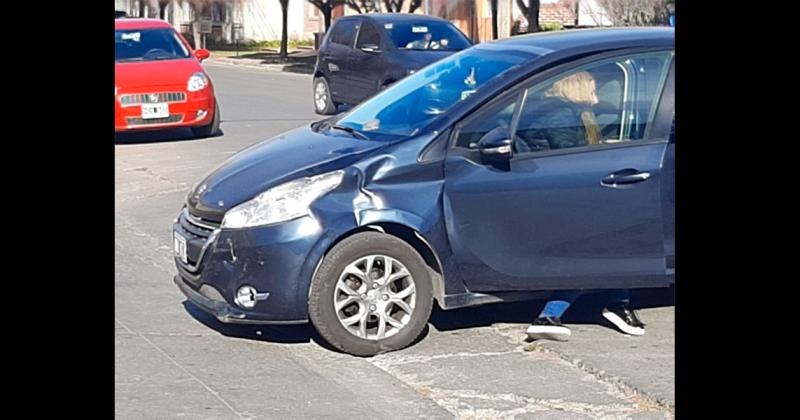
<point x="285" y="334"/>
<point x="161" y="136"/>
<point x="587" y="309"/>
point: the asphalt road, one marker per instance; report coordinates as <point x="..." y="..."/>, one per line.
<point x="172" y="360"/>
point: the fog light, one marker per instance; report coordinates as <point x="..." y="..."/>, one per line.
<point x="247" y="296"/>
<point x="200" y="114"/>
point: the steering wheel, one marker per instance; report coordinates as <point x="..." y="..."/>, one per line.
<point x="155" y="51"/>
<point x="610" y="128"/>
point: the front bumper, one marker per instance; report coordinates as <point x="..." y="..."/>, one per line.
<point x="279" y="260"/>
<point x="222" y="310"/>
<point x="182" y="112"/>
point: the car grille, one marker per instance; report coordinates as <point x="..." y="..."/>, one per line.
<point x="152" y="98"/>
<point x="173" y="118"/>
<point x="199" y="234"/>
<point x="196" y="226"/>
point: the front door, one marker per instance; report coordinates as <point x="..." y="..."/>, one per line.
<point x="579" y="205"/>
<point x="367" y="63"/>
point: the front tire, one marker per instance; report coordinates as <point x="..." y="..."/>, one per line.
<point x="212" y="129"/>
<point x="372" y="294"/>
<point x="323" y="101"/>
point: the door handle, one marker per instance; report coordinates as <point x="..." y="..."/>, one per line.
<point x="624" y="177"/>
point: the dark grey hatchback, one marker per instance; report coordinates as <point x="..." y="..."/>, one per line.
<point x="361" y="55"/>
<point x="503" y="172"/>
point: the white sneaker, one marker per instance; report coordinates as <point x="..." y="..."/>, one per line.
<point x="548" y="329"/>
<point x="624" y="319"/>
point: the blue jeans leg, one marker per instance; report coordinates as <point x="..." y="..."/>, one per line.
<point x="559" y="304"/>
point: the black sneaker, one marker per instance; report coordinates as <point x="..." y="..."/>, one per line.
<point x="547" y="328"/>
<point x="625" y="319"/>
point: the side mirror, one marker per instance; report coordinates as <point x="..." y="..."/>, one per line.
<point x="370" y="48"/>
<point x="202" y="54"/>
<point x="495" y="147"/>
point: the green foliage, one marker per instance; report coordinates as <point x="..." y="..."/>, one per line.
<point x="555" y="26"/>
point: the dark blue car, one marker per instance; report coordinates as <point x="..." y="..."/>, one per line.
<point x="363" y="54"/>
<point x="478" y="179"/>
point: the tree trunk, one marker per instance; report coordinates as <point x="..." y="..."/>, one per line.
<point x="494" y="18"/>
<point x="196" y="31"/>
<point x="327" y="13"/>
<point x="285" y="30"/>
<point x="393" y="6"/>
<point x="162" y="12"/>
<point x="531" y="13"/>
<point x="142" y="8"/>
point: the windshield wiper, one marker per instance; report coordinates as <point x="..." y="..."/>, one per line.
<point x="350" y="130"/>
<point x="124" y="60"/>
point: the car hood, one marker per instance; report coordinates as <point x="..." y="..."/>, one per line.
<point x="297" y="153"/>
<point x="417" y="59"/>
<point x="155" y="73"/>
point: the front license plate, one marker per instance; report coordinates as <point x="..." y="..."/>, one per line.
<point x="155" y="111"/>
<point x="179" y="244"/>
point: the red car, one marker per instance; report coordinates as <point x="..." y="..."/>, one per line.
<point x="159" y="82"/>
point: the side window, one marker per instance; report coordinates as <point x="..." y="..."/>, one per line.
<point x="498" y="115"/>
<point x="606" y="102"/>
<point x="650" y="73"/>
<point x="368" y="35"/>
<point x="344" y="32"/>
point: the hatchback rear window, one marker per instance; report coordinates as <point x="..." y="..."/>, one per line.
<point x="426" y="36"/>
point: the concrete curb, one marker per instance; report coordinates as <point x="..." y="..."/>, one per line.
<point x="257" y="64"/>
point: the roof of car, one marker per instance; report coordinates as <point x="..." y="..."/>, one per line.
<point x="600" y="37"/>
<point x="140" y="23"/>
<point x="399" y="17"/>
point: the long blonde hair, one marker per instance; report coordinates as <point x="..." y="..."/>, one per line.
<point x="579" y="88"/>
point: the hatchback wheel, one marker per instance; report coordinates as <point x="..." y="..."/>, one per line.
<point x="323" y="101"/>
<point x="212" y="128"/>
<point x="372" y="294"/>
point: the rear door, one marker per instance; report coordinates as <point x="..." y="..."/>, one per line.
<point x="335" y="58"/>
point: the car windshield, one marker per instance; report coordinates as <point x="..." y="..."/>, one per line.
<point x="147" y="45"/>
<point x="442" y="36"/>
<point x="410" y="104"/>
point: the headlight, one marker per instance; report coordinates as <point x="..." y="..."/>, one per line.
<point x="282" y="203"/>
<point x="116" y="89"/>
<point x="198" y="81"/>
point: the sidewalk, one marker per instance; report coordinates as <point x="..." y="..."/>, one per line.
<point x="298" y="61"/>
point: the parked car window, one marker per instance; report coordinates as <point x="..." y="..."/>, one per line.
<point x="601" y="103"/>
<point x="426" y="36"/>
<point x="368" y="35"/>
<point x="148" y="44"/>
<point x="344" y="32"/>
